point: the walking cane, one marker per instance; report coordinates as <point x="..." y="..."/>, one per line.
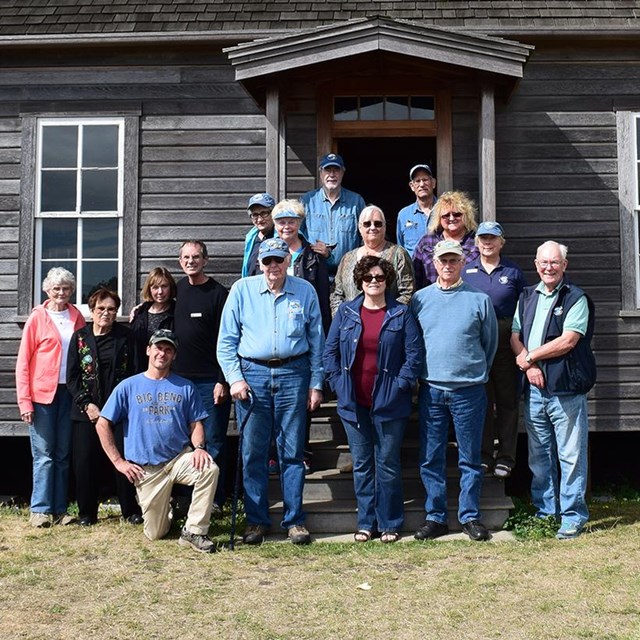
<point x="236" y="488"/>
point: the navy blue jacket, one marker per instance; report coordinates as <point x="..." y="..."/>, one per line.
<point x="400" y="358"/>
<point x="575" y="371"/>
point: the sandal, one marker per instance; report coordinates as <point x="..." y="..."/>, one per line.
<point x="362" y="535"/>
<point x="389" y="536"/>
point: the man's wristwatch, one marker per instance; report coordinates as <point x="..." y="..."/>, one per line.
<point x="528" y="358"/>
<point x="200" y="446"/>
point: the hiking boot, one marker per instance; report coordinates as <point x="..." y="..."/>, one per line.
<point x="64" y="519"/>
<point x="40" y="520"/>
<point x="299" y="534"/>
<point x="254" y="534"/>
<point x="197" y="541"/>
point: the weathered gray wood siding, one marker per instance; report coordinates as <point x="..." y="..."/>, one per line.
<point x="202" y="155"/>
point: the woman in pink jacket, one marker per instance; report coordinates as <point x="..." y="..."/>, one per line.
<point x="43" y="398"/>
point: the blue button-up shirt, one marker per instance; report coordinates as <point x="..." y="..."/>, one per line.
<point x="335" y="223"/>
<point x="412" y="225"/>
<point x="258" y="324"/>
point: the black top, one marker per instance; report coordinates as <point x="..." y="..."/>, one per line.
<point x="197" y="323"/>
<point x="144" y="325"/>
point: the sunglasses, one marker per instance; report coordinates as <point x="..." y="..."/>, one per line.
<point x="378" y="277"/>
<point x="452" y="214"/>
<point x="376" y="223"/>
<point x="277" y="259"/>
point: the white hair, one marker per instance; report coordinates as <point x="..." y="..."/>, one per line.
<point x="370" y="208"/>
<point x="58" y="276"/>
<point x="564" y="250"/>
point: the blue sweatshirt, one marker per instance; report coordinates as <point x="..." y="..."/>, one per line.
<point x="460" y="333"/>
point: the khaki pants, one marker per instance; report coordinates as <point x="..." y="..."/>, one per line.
<point x="154" y="494"/>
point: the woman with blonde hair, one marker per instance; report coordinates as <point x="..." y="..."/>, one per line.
<point x="43" y="398"/>
<point x="453" y="218"/>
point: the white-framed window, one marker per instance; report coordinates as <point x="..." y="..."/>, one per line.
<point x="628" y="138"/>
<point x="79" y="202"/>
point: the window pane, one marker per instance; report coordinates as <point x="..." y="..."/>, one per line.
<point x="371" y="108"/>
<point x="99" y="190"/>
<point x="59" y="146"/>
<point x="59" y="238"/>
<point x="100" y="237"/>
<point x="397" y="108"/>
<point x="49" y="264"/>
<point x="422" y="108"/>
<point x="58" y="191"/>
<point x="100" y="146"/>
<point x="345" y="109"/>
<point x="96" y="275"/>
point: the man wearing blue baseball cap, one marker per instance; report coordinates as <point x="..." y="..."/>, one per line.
<point x="413" y="220"/>
<point x="270" y="345"/>
<point x="259" y="209"/>
<point x="331" y="222"/>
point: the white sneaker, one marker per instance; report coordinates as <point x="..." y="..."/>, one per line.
<point x="40" y="520"/>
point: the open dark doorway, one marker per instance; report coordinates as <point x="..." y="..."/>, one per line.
<point x="378" y="169"/>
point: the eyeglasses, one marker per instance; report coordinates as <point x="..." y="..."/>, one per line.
<point x="260" y="216"/>
<point x="376" y="223"/>
<point x="452" y="214"/>
<point x="370" y="277"/>
<point x="543" y="264"/>
<point x="446" y="261"/>
<point x="102" y="310"/>
<point x="277" y="259"/>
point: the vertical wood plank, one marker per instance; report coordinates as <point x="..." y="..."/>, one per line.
<point x="273" y="168"/>
<point x="444" y="142"/>
<point x="487" y="151"/>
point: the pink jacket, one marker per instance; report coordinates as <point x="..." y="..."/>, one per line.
<point x="39" y="357"/>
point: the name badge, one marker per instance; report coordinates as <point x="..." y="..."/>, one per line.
<point x="196" y="315"/>
<point x="471" y="271"/>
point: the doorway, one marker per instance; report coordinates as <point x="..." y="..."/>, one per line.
<point x="378" y="169"/>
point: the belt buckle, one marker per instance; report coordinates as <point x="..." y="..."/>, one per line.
<point x="274" y="362"/>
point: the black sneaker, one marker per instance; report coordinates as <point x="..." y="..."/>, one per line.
<point x="430" y="530"/>
<point x="476" y="530"/>
<point x="197" y="541"/>
<point x="134" y="519"/>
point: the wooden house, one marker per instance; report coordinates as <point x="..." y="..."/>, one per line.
<point x="127" y="126"/>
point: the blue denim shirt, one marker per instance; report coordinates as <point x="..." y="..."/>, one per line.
<point x="335" y="223"/>
<point x="257" y="324"/>
<point x="412" y="224"/>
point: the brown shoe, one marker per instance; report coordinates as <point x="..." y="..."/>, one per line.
<point x="255" y="533"/>
<point x="299" y="534"/>
<point x="40" y="520"/>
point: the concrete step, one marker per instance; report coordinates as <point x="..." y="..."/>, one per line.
<point x="339" y="516"/>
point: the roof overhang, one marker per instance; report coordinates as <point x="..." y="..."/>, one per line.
<point x="285" y="53"/>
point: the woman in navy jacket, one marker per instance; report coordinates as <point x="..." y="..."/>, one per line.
<point x="373" y="355"/>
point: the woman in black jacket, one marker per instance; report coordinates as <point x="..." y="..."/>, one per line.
<point x="156" y="312"/>
<point x="101" y="355"/>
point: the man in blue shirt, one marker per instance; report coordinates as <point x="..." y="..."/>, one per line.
<point x="164" y="443"/>
<point x="552" y="331"/>
<point x="460" y="333"/>
<point x="413" y="220"/>
<point x="270" y="345"/>
<point x="331" y="221"/>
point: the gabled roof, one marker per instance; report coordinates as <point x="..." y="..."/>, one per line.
<point x="285" y="53"/>
<point x="76" y="17"/>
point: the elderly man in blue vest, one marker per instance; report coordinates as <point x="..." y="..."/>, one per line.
<point x="551" y="338"/>
<point x="271" y="342"/>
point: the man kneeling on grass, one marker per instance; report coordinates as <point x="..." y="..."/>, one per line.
<point x="164" y="443"/>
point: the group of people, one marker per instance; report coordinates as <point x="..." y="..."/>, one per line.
<point x="324" y="298"/>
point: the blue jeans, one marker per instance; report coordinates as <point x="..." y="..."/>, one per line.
<point x="280" y="412"/>
<point x="558" y="431"/>
<point x="377" y="472"/>
<point x="437" y="409"/>
<point x="51" y="451"/>
<point x="215" y="429"/>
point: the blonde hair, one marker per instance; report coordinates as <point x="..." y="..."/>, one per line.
<point x="291" y="206"/>
<point x="459" y="201"/>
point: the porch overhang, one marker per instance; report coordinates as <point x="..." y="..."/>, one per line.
<point x="285" y="53"/>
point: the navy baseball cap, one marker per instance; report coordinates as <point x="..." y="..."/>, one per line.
<point x="332" y="160"/>
<point x="420" y="167"/>
<point x="263" y="199"/>
<point x="490" y="228"/>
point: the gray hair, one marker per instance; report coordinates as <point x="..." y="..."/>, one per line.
<point x="58" y="276"/>
<point x="564" y="250"/>
<point x="370" y="208"/>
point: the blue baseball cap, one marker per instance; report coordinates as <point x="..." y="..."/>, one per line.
<point x="490" y="228"/>
<point x="420" y="167"/>
<point x="287" y="213"/>
<point x="273" y="247"/>
<point x="332" y="160"/>
<point x="263" y="199"/>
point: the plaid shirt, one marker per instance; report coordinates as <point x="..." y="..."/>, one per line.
<point x="423" y="266"/>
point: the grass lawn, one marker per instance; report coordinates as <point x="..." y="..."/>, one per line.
<point x="107" y="581"/>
